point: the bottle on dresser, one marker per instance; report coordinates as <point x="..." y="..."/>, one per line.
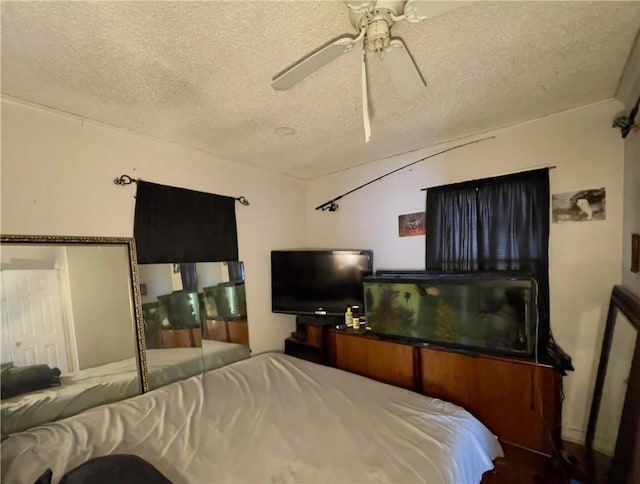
<point x="348" y="317"/>
<point x="355" y="317"/>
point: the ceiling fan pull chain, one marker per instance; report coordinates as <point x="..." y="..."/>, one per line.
<point x="365" y="98"/>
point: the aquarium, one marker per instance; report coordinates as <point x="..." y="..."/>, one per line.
<point x="492" y="313"/>
<point x="182" y="309"/>
<point x="226" y="301"/>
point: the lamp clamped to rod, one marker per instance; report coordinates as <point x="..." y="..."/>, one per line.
<point x="332" y="206"/>
<point x="124" y="180"/>
<point x="627" y="123"/>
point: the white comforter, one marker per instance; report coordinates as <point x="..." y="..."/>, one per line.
<point x="272" y="418"/>
<point x="113" y="382"/>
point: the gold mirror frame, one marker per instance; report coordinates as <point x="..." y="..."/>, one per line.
<point x="141" y="356"/>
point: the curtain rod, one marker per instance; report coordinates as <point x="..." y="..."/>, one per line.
<point x="124" y="180"/>
<point x="332" y="206"/>
<point x="550" y="167"/>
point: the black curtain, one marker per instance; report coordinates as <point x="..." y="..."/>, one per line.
<point x="493" y="224"/>
<point x="513" y="223"/>
<point x="189" y="277"/>
<point x="452" y="229"/>
<point x="175" y="225"/>
<point x="236" y="271"/>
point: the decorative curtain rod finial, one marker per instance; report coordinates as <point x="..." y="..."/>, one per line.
<point x="123" y="180"/>
<point x="243" y="201"/>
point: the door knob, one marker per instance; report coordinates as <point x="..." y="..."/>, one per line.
<point x="18" y="343"/>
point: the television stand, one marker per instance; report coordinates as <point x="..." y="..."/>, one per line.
<point x="310" y="340"/>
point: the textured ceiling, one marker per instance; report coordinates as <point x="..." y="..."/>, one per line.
<point x="198" y="73"/>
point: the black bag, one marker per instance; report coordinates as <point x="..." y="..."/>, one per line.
<point x="110" y="469"/>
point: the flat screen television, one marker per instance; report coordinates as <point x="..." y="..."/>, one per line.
<point x="318" y="281"/>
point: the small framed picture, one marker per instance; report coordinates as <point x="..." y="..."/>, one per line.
<point x="579" y="206"/>
<point x="412" y="224"/>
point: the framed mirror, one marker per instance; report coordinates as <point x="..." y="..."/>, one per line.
<point x="195" y="318"/>
<point x="614" y="420"/>
<point x="71" y="320"/>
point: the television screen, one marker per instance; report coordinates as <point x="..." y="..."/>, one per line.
<point x="322" y="282"/>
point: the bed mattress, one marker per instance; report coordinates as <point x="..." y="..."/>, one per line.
<point x="113" y="382"/>
<point x="271" y="418"/>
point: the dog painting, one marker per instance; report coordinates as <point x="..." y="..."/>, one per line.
<point x="580" y="206"/>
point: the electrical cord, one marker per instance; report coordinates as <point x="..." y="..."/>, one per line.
<point x="556" y="452"/>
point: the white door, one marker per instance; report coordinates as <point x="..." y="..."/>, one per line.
<point x="32" y="326"/>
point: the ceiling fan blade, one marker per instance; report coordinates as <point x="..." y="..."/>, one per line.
<point x="419" y="10"/>
<point x="314" y="61"/>
<point x="365" y="98"/>
<point x="403" y="71"/>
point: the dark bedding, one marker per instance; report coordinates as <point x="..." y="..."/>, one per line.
<point x="16" y="380"/>
<point x="110" y="469"/>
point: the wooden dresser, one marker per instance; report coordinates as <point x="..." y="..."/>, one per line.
<point x="181" y="338"/>
<point x="310" y="340"/>
<point x="518" y="400"/>
<point x="228" y="331"/>
<point x="381" y="360"/>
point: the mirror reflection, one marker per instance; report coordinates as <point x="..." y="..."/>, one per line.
<point x="68" y="330"/>
<point x="615" y="385"/>
<point x="195" y="318"/>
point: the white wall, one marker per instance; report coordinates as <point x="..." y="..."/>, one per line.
<point x="585" y="257"/>
<point x="157" y="279"/>
<point x="100" y="293"/>
<point x="57" y="173"/>
<point x="26" y="256"/>
<point x="627" y="94"/>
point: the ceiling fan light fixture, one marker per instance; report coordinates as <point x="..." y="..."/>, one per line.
<point x="378" y="36"/>
<point x="372" y="20"/>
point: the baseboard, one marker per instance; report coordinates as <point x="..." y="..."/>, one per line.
<point x="573" y="435"/>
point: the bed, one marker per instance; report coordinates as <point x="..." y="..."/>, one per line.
<point x="270" y="418"/>
<point x="113" y="382"/>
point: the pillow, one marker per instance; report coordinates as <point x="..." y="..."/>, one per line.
<point x="110" y="469"/>
<point x="16" y="380"/>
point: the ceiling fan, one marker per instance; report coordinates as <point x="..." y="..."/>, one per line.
<point x="373" y="21"/>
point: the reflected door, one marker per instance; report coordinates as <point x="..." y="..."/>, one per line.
<point x="31" y="319"/>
